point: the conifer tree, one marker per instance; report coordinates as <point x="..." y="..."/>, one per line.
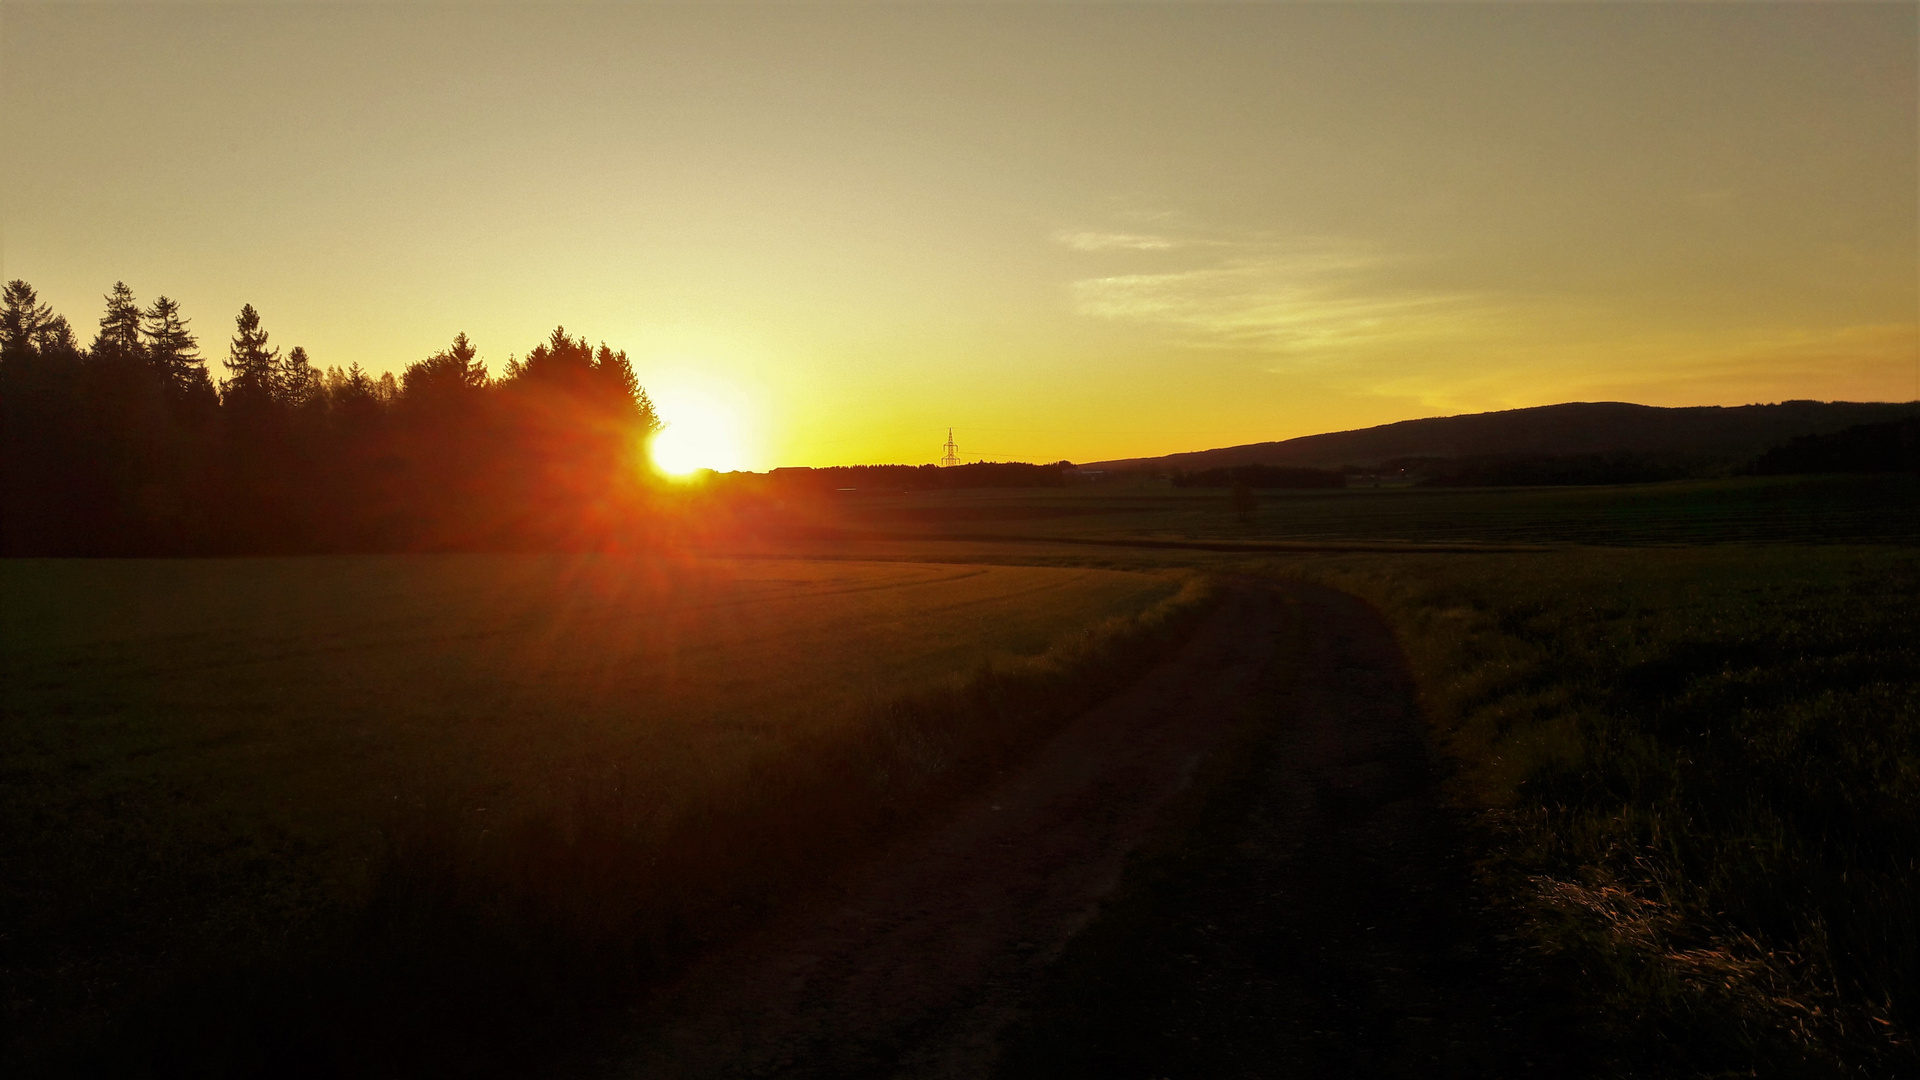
<point x="171" y="347"/>
<point x="450" y="371"/>
<point x="300" y="383"/>
<point x="354" y="395"/>
<point x="55" y="339"/>
<point x="23" y="320"/>
<point x="624" y="389"/>
<point x="348" y="384"/>
<point x="256" y="369"/>
<point x="119" y="336"/>
<point x="603" y="376"/>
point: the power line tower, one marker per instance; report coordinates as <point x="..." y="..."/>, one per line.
<point x="952" y="455"/>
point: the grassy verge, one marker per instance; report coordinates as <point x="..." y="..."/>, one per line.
<point x="1701" y="768"/>
<point x="476" y="949"/>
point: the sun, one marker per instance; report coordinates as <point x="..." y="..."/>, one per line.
<point x="699" y="434"/>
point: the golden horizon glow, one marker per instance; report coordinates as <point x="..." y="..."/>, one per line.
<point x="699" y="433"/>
<point x="1067" y="231"/>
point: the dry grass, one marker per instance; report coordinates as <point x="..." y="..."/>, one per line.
<point x="1699" y="771"/>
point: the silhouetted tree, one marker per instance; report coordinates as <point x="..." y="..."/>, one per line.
<point x="119" y="336"/>
<point x="28" y="327"/>
<point x="578" y="423"/>
<point x="350" y="390"/>
<point x="56" y="340"/>
<point x="128" y="448"/>
<point x="39" y="406"/>
<point x="256" y="368"/>
<point x="299" y="384"/>
<point x="100" y="456"/>
<point x="171" y="348"/>
<point x="454" y="370"/>
<point x="603" y="377"/>
<point x="21" y="319"/>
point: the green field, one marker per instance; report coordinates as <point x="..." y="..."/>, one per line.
<point x="1788" y="509"/>
<point x="221" y="758"/>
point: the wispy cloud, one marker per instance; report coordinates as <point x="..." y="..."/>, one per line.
<point x="1300" y="300"/>
<point x="1107" y="241"/>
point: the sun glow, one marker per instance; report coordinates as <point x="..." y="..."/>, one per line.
<point x="700" y="433"/>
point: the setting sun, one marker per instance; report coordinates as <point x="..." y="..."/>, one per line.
<point x="703" y="539"/>
<point x="699" y="434"/>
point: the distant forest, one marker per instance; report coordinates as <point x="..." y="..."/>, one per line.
<point x="983" y="474"/>
<point x="1261" y="476"/>
<point x="1527" y="470"/>
<point x="1870" y="448"/>
<point x="129" y="446"/>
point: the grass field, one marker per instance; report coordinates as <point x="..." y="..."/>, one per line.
<point x="1789" y="509"/>
<point x="1686" y="720"/>
<point x="210" y="764"/>
<point x="1698" y="771"/>
<point x="451" y="789"/>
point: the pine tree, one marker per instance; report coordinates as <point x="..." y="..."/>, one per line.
<point x="55" y="338"/>
<point x="23" y="320"/>
<point x="300" y="383"/>
<point x="448" y="372"/>
<point x="623" y="388"/>
<point x="603" y="376"/>
<point x="356" y="394"/>
<point x="119" y="338"/>
<point x="171" y="346"/>
<point x="348" y="384"/>
<point x="559" y="360"/>
<point x="256" y="369"/>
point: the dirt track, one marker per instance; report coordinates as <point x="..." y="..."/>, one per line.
<point x="919" y="964"/>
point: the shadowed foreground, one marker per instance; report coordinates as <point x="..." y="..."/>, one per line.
<point x="1306" y="908"/>
<point x="913" y="967"/>
<point x="1317" y="916"/>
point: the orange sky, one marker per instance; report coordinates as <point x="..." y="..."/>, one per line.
<point x="1066" y="231"/>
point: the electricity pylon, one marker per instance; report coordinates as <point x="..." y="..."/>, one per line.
<point x="952" y="455"/>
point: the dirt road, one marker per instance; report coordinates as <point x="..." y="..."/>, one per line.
<point x="923" y="963"/>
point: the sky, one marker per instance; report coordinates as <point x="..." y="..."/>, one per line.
<point x="1065" y="231"/>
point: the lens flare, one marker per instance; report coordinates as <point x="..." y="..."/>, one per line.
<point x="699" y="434"/>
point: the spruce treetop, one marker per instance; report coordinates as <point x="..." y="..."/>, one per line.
<point x="119" y="336"/>
<point x="255" y="368"/>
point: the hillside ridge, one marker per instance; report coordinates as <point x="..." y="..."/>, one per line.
<point x="1733" y="432"/>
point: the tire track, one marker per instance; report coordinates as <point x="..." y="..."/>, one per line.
<point x="913" y="966"/>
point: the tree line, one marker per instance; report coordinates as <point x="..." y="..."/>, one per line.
<point x="129" y="445"/>
<point x="1893" y="446"/>
<point x="1260" y="476"/>
<point x="982" y="474"/>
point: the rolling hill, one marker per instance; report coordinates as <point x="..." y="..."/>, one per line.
<point x="1732" y="434"/>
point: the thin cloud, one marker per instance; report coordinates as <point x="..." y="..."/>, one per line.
<point x="1105" y="241"/>
<point x="1319" y="302"/>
